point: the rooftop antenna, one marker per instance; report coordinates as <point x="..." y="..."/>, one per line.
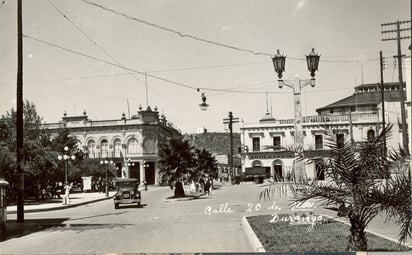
<point x="362" y="71"/>
<point x="147" y="94"/>
<point x="271" y="109"/>
<point x="128" y="107"/>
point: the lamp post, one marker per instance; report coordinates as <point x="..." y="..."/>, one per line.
<point x="145" y="165"/>
<point x="106" y="162"/>
<point x="297" y="85"/>
<point x="66" y="157"/>
<point x="129" y="164"/>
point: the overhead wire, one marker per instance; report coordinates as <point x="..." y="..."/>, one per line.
<point x="132" y="70"/>
<point x="148" y="74"/>
<point x="197" y="38"/>
<point x="204" y="67"/>
<point x="88" y="37"/>
<point x="181" y="34"/>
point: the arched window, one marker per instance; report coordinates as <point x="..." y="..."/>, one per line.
<point x="91" y="145"/>
<point x="132" y="146"/>
<point x="149" y="145"/>
<point x="371" y="135"/>
<point x="256" y="163"/>
<point x="117" y="145"/>
<point x="104" y="148"/>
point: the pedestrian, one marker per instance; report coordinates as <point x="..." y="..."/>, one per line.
<point x="202" y="184"/>
<point x="145" y="185"/>
<point x="207" y="187"/>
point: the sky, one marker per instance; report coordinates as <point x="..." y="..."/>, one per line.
<point x="93" y="55"/>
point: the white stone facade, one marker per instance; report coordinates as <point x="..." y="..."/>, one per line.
<point x="364" y="122"/>
<point x="132" y="144"/>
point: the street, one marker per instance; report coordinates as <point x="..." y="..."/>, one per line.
<point x="208" y="224"/>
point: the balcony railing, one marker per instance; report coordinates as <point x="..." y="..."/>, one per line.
<point x="322" y="119"/>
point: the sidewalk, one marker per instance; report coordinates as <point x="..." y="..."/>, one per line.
<point x="76" y="199"/>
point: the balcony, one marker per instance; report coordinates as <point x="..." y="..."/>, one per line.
<point x="319" y="120"/>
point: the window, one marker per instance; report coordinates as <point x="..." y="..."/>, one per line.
<point x="371" y="135"/>
<point x="318" y="142"/>
<point x="256" y="143"/>
<point x="91" y="146"/>
<point x="117" y="147"/>
<point x="104" y="144"/>
<point x="132" y="146"/>
<point x="149" y="145"/>
<point x="277" y="143"/>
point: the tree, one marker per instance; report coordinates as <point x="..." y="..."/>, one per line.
<point x="206" y="163"/>
<point x="177" y="163"/>
<point x="39" y="163"/>
<point x="356" y="188"/>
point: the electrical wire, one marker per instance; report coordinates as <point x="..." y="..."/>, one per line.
<point x="181" y="34"/>
<point x="89" y="38"/>
<point x="130" y="69"/>
<point x="205" y="67"/>
<point x="186" y="35"/>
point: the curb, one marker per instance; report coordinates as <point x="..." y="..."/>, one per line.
<point x="368" y="231"/>
<point x="61" y="207"/>
<point x="251" y="236"/>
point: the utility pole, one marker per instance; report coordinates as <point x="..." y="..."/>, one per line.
<point x="19" y="117"/>
<point x="230" y="122"/>
<point x="399" y="57"/>
<point x="383" y="101"/>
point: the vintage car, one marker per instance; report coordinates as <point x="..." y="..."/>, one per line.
<point x="127" y="192"/>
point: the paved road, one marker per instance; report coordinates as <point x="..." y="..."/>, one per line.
<point x="208" y="224"/>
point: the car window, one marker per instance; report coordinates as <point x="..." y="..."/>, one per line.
<point x="129" y="184"/>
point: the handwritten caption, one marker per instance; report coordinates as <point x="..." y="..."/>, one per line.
<point x="303" y="207"/>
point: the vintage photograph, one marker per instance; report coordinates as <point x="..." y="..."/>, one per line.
<point x="205" y="126"/>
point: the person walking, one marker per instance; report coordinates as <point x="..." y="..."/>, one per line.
<point x="207" y="187"/>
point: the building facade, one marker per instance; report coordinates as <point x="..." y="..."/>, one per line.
<point x="132" y="144"/>
<point x="357" y="117"/>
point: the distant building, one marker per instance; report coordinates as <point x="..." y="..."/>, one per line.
<point x="218" y="144"/>
<point x="357" y="117"/>
<point x="132" y="144"/>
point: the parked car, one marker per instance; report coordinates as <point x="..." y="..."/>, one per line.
<point x="127" y="192"/>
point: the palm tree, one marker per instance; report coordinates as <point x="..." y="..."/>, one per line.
<point x="206" y="163"/>
<point x="362" y="185"/>
<point x="177" y="160"/>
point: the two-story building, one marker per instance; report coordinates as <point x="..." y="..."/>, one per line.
<point x="357" y="117"/>
<point x="131" y="143"/>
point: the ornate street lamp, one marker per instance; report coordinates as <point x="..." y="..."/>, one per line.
<point x="66" y="158"/>
<point x="313" y="62"/>
<point x="203" y="105"/>
<point x="106" y="162"/>
<point x="297" y="85"/>
<point x="279" y="63"/>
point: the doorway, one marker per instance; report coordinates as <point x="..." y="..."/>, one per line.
<point x="134" y="170"/>
<point x="150" y="172"/>
<point x="277" y="170"/>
